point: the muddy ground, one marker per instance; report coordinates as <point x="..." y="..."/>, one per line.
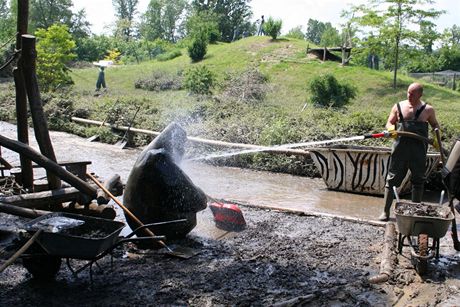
<point x="281" y="259"/>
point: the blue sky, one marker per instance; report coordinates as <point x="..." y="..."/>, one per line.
<point x="293" y="13"/>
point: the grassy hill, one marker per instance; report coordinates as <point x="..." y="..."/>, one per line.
<point x="288" y="69"/>
<point x="284" y="115"/>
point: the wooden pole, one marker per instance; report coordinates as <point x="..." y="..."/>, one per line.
<point x="296" y="152"/>
<point x="41" y="200"/>
<point x="21" y="97"/>
<point x="24" y="212"/>
<point x="49" y="165"/>
<point x="28" y="57"/>
<point x="388" y="256"/>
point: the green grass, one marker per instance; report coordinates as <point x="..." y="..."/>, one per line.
<point x="281" y="117"/>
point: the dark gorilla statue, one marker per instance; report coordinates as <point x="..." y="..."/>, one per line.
<point x="158" y="190"/>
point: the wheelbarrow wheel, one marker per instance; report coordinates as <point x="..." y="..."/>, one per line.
<point x="42" y="267"/>
<point x="421" y="264"/>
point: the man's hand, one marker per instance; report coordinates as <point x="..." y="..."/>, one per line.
<point x="392" y="131"/>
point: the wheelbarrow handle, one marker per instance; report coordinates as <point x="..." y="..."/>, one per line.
<point x="126" y="239"/>
<point x="154" y="224"/>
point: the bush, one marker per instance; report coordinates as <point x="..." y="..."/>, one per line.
<point x="273" y="27"/>
<point x="198" y="48"/>
<point x="160" y="81"/>
<point x="169" y="55"/>
<point x="54" y="51"/>
<point x="199" y="80"/>
<point x="327" y="91"/>
<point x="250" y="86"/>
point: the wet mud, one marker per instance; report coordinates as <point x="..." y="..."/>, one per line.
<point x="280" y="259"/>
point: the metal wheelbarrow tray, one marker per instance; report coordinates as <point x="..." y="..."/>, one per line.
<point x="414" y="225"/>
<point x="87" y="241"/>
<point x="417" y="223"/>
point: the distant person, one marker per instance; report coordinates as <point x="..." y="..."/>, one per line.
<point x="261" y="26"/>
<point x="101" y="79"/>
<point x="411" y="115"/>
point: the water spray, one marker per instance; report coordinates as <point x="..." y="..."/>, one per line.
<point x="387" y="134"/>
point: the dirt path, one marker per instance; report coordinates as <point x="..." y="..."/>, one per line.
<point x="280" y="258"/>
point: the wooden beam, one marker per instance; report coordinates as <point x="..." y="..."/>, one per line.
<point x="296" y="152"/>
<point x="49" y="165"/>
<point x="24" y="212"/>
<point x="21" y="97"/>
<point x="42" y="200"/>
<point x="28" y="61"/>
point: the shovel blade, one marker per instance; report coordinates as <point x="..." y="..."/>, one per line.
<point x="121" y="144"/>
<point x="93" y="138"/>
<point x="182" y="252"/>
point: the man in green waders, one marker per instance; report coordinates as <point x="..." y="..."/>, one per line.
<point x="411" y="115"/>
<point x="101" y="79"/>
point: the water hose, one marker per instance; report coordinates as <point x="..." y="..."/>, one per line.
<point x="398" y="133"/>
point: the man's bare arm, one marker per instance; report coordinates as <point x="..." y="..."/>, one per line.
<point x="432" y="119"/>
<point x="393" y="117"/>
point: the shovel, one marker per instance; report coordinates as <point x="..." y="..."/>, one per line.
<point x="451" y="198"/>
<point x="124" y="140"/>
<point x="96" y="136"/>
<point x="179" y="252"/>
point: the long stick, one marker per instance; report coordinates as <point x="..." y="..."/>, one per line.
<point x="126" y="210"/>
<point x="21" y="250"/>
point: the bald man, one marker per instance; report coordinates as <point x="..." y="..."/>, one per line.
<point x="412" y="115"/>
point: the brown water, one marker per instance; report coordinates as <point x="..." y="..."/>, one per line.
<point x="234" y="184"/>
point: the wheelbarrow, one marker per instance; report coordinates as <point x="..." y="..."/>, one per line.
<point x="71" y="236"/>
<point x="421" y="231"/>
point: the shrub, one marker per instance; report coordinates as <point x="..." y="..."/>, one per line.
<point x="198" y="48"/>
<point x="160" y="81"/>
<point x="169" y="55"/>
<point x="273" y="27"/>
<point x="250" y="86"/>
<point x="327" y="91"/>
<point x="199" y="80"/>
<point x="54" y="51"/>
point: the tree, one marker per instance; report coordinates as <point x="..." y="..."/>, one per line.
<point x="163" y="19"/>
<point x="54" y="50"/>
<point x="7" y="24"/>
<point x="45" y="13"/>
<point x="296" y="33"/>
<point x="125" y="10"/>
<point x="315" y="30"/>
<point x="203" y="22"/>
<point x="233" y="16"/>
<point x="392" y="19"/>
<point x="330" y="36"/>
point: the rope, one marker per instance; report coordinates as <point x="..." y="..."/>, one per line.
<point x="8" y="41"/>
<point x="11" y="59"/>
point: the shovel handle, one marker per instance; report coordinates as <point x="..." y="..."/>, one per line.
<point x="441" y="151"/>
<point x="126" y="210"/>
